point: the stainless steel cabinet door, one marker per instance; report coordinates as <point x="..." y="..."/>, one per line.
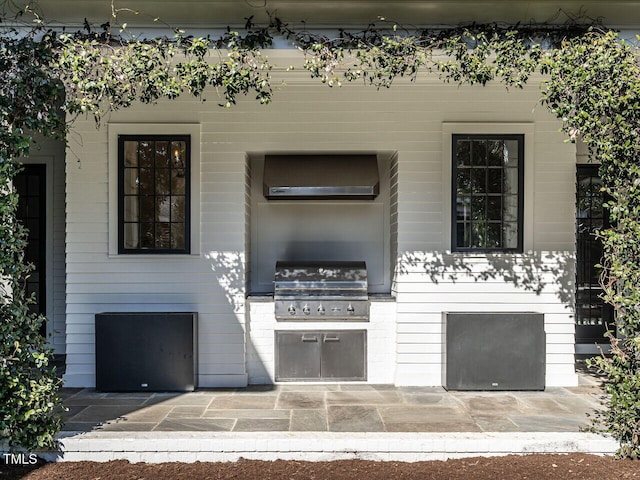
<point x="344" y="355"/>
<point x="297" y="355"/>
<point x="321" y="355"/>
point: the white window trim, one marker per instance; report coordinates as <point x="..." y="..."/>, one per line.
<point x="191" y="129"/>
<point x="488" y="128"/>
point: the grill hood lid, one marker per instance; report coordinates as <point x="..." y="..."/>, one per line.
<point x="321" y="176"/>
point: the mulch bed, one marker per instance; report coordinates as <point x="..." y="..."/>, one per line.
<point x="513" y="467"/>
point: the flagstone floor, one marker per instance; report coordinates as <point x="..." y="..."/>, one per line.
<point x="346" y="407"/>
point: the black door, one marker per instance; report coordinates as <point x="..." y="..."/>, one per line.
<point x="593" y="316"/>
<point x="31" y="187"/>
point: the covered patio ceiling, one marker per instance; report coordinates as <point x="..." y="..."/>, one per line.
<point x="332" y="13"/>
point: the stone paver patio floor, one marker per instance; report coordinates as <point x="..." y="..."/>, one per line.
<point x="334" y="408"/>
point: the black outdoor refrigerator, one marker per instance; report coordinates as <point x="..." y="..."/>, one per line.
<point x="146" y="351"/>
<point x="494" y="351"/>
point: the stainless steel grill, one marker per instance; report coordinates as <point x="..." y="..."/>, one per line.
<point x="330" y="291"/>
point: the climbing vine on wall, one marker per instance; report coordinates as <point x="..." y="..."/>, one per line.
<point x="591" y="83"/>
<point x="594" y="88"/>
<point x="29" y="99"/>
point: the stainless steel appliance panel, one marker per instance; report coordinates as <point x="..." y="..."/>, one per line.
<point x="321" y="310"/>
<point x="344" y="355"/>
<point x="337" y="355"/>
<point x="298" y="355"/>
<point x="321" y="176"/>
<point x="334" y="291"/>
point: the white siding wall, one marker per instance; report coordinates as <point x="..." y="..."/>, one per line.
<point x="305" y="116"/>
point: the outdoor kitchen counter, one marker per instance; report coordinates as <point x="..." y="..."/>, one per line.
<point x="262" y="325"/>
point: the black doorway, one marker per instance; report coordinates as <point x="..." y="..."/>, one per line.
<point x="32" y="187"/>
<point x="593" y="316"/>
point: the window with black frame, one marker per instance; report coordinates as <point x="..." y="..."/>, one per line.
<point x="487" y="203"/>
<point x="153" y="210"/>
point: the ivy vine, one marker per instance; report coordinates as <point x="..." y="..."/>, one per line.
<point x="29" y="102"/>
<point x="595" y="89"/>
<point x="48" y="77"/>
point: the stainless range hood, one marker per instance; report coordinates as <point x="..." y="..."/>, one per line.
<point x="321" y="176"/>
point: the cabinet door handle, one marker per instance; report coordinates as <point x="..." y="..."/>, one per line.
<point x="331" y="338"/>
<point x="310" y="338"/>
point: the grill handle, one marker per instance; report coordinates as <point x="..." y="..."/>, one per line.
<point x="310" y="338"/>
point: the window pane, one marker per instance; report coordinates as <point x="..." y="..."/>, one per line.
<point x="463" y="211"/>
<point x="130" y="154"/>
<point x="163" y="181"/>
<point x="178" y="209"/>
<point x="463" y="234"/>
<point x="463" y="181"/>
<point x="585" y="197"/>
<point x="178" y="236"/>
<point x="131" y="237"/>
<point x="178" y="152"/>
<point x="147" y="237"/>
<point x="163" y="209"/>
<point x="145" y="181"/>
<point x="479" y="153"/>
<point x="478" y="234"/>
<point x="131" y="209"/>
<point x="494" y="180"/>
<point x="494" y="235"/>
<point x="163" y="235"/>
<point x="147" y="209"/>
<point x="162" y="155"/>
<point x="495" y="154"/>
<point x="463" y="152"/>
<point x="510" y="208"/>
<point x="145" y="154"/>
<point x="510" y="180"/>
<point x="510" y="153"/>
<point x="510" y="235"/>
<point x="597" y="207"/>
<point x="130" y="181"/>
<point x="494" y="208"/>
<point x="478" y="180"/>
<point x="596" y="224"/>
<point x="478" y="208"/>
<point x="177" y="182"/>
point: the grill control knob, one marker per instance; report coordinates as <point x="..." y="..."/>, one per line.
<point x="320" y="310"/>
<point x="306" y="310"/>
<point x="350" y="309"/>
<point x="291" y="310"/>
